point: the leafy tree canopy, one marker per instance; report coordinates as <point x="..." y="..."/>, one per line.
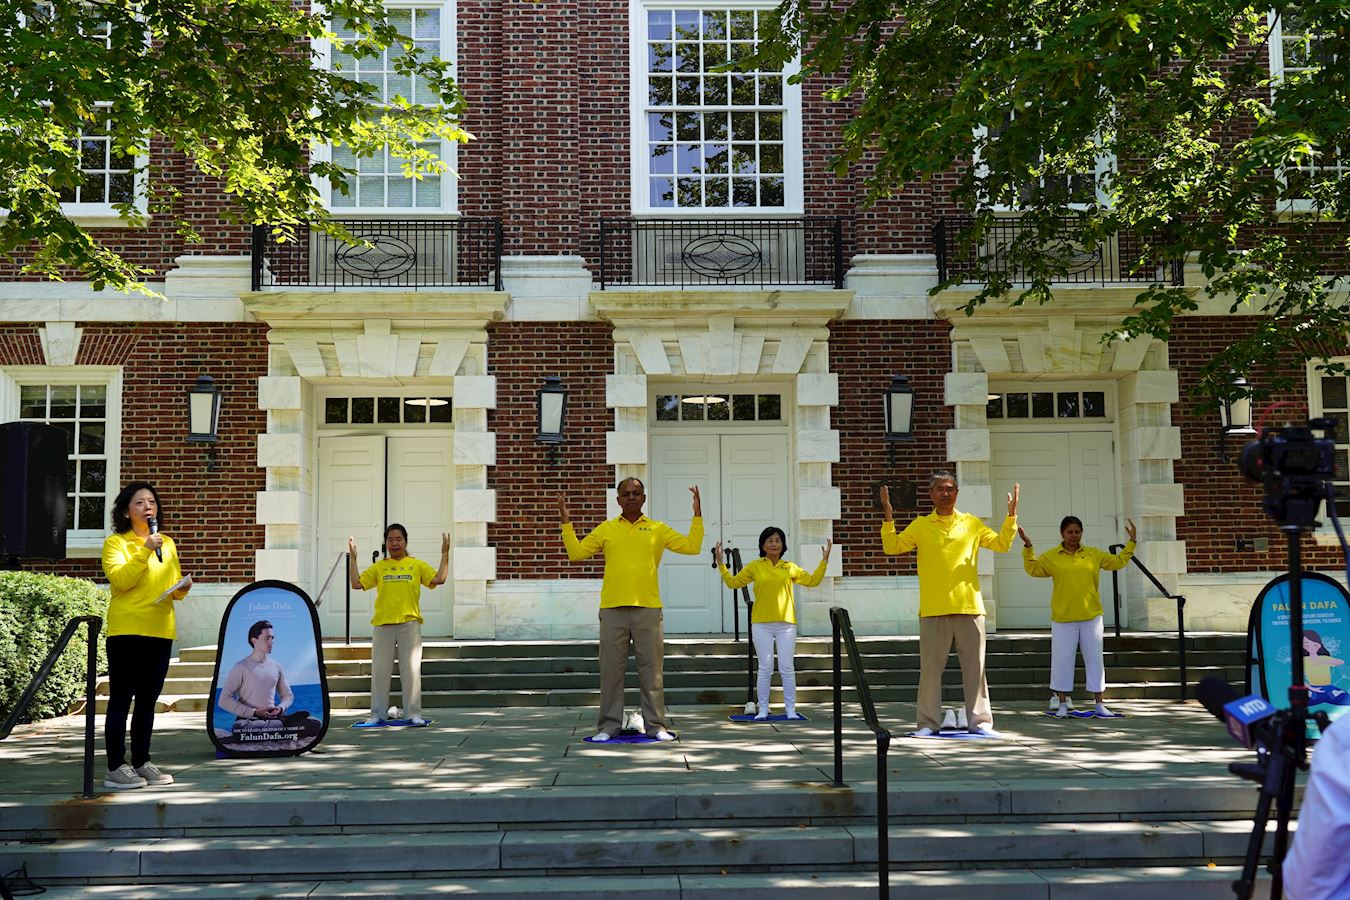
<point x="232" y="85"/>
<point x="1209" y="155"/>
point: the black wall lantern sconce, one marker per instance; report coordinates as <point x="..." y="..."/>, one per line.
<point x="1235" y="413"/>
<point x="899" y="399"/>
<point x="204" y="417"/>
<point x="552" y="415"/>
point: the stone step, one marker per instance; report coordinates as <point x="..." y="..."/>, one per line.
<point x="1100" y="883"/>
<point x="693" y="849"/>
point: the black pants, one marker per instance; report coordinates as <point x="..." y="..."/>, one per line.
<point x="137" y="666"/>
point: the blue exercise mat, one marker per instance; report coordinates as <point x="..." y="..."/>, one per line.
<point x="393" y="723"/>
<point x="1087" y="714"/>
<point x="961" y="735"/>
<point x="629" y="738"/>
<point x="777" y="717"/>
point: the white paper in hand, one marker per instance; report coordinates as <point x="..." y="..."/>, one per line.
<point x="177" y="586"/>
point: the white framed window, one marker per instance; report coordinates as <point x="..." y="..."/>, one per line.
<point x="86" y="403"/>
<point x="1295" y="49"/>
<point x="706" y="142"/>
<point x="109" y="177"/>
<point x="380" y="186"/>
<point x="1329" y="397"/>
<point x="1079" y="189"/>
<point x="730" y="405"/>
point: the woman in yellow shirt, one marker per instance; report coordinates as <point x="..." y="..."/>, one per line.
<point x="141" y="565"/>
<point x="1317" y="665"/>
<point x="774" y="620"/>
<point x="1075" y="606"/>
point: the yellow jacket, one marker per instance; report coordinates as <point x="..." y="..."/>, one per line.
<point x="136" y="579"/>
<point x="1074" y="596"/>
<point x="948" y="547"/>
<point x="632" y="552"/>
<point x="773" y="587"/>
<point x="398" y="589"/>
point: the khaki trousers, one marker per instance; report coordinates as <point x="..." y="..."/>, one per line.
<point x="406" y="637"/>
<point x="641" y="628"/>
<point x="936" y="635"/>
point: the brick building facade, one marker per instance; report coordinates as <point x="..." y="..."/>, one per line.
<point x="732" y="323"/>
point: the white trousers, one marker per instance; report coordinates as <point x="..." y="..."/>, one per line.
<point x="406" y="637"/>
<point x="783" y="636"/>
<point x="1065" y="639"/>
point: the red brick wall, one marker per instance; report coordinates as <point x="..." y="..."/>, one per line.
<point x="209" y="514"/>
<point x="526" y="531"/>
<point x="1222" y="505"/>
<point x="865" y="354"/>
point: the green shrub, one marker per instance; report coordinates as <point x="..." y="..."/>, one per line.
<point x="34" y="609"/>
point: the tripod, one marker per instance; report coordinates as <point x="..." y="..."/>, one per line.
<point x="1286" y="752"/>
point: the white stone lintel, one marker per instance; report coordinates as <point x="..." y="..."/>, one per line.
<point x="965" y="389"/>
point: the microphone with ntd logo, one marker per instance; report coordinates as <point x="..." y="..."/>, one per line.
<point x="1244" y="716"/>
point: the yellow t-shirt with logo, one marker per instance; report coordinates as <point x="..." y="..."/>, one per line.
<point x="398" y="589"/>
<point x="773" y="587"/>
<point x="632" y="552"/>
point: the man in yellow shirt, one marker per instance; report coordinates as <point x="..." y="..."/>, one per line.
<point x="630" y="601"/>
<point x="951" y="608"/>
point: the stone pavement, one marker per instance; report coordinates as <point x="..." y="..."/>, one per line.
<point x="1084" y="769"/>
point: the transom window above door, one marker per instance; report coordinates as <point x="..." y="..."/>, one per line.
<point x="1015" y="405"/>
<point x="406" y="410"/>
<point x="719" y="406"/>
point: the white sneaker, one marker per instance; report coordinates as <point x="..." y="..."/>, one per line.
<point x="983" y="729"/>
<point x="1054" y="703"/>
<point x="1103" y="711"/>
<point x="124" y="778"/>
<point x="961" y="718"/>
<point x="374" y="720"/>
<point x="394" y="712"/>
<point x="1062" y="712"/>
<point x="664" y="736"/>
<point x="791" y="714"/>
<point x="417" y="720"/>
<point x="924" y="732"/>
<point x="600" y="737"/>
<point x="762" y="716"/>
<point x="948" y="718"/>
<point x="152" y="775"/>
<point x="749" y="707"/>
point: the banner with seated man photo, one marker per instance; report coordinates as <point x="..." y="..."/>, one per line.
<point x="269" y="693"/>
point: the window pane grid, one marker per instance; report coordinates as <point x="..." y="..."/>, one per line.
<point x="406" y="410"/>
<point x="1335" y="402"/>
<point x="1047" y="405"/>
<point x="381" y="182"/>
<point x="81" y="412"/>
<point x="719" y="407"/>
<point x="1301" y="51"/>
<point x="106" y="174"/>
<point x="714" y="139"/>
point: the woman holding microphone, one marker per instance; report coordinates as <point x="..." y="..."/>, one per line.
<point x="144" y="582"/>
<point x="774" y="620"/>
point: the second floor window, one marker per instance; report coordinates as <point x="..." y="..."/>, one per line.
<point x="709" y="141"/>
<point x="1296" y="50"/>
<point x="108" y="176"/>
<point x="380" y="184"/>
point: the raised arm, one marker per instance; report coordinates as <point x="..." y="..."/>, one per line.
<point x="353" y="574"/>
<point x="1030" y="561"/>
<point x="811" y="579"/>
<point x="577" y="550"/>
<point x="740" y="579"/>
<point x="692" y="543"/>
<point x="1112" y="562"/>
<point x="444" y="571"/>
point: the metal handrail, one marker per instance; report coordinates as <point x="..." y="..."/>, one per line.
<point x="843" y="633"/>
<point x="732" y="556"/>
<point x="346" y="583"/>
<point x="1181" y="607"/>
<point x="95" y="623"/>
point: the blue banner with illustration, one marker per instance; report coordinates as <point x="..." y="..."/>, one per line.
<point x="269" y="693"/>
<point x="1324" y="643"/>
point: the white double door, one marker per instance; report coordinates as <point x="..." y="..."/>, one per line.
<point x="746" y="484"/>
<point x="366" y="482"/>
<point x="1062" y="474"/>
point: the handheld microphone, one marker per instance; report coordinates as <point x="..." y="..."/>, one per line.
<point x="154" y="529"/>
<point x="1245" y="716"/>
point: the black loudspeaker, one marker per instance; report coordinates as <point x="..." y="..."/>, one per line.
<point x="33" y="462"/>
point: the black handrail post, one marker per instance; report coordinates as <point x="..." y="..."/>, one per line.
<point x="347" y="611"/>
<point x="883" y="819"/>
<point x="90" y="674"/>
<point x="602" y="254"/>
<point x="838" y="253"/>
<point x="735" y="596"/>
<point x="1115" y="587"/>
<point x="1181" y="643"/>
<point x="256" y="262"/>
<point x="838" y="706"/>
<point x="497" y="249"/>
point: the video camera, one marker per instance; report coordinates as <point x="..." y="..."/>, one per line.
<point x="1296" y="464"/>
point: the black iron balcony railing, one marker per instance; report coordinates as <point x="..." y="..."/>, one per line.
<point x="702" y="252"/>
<point x="405" y="254"/>
<point x="1113" y="261"/>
